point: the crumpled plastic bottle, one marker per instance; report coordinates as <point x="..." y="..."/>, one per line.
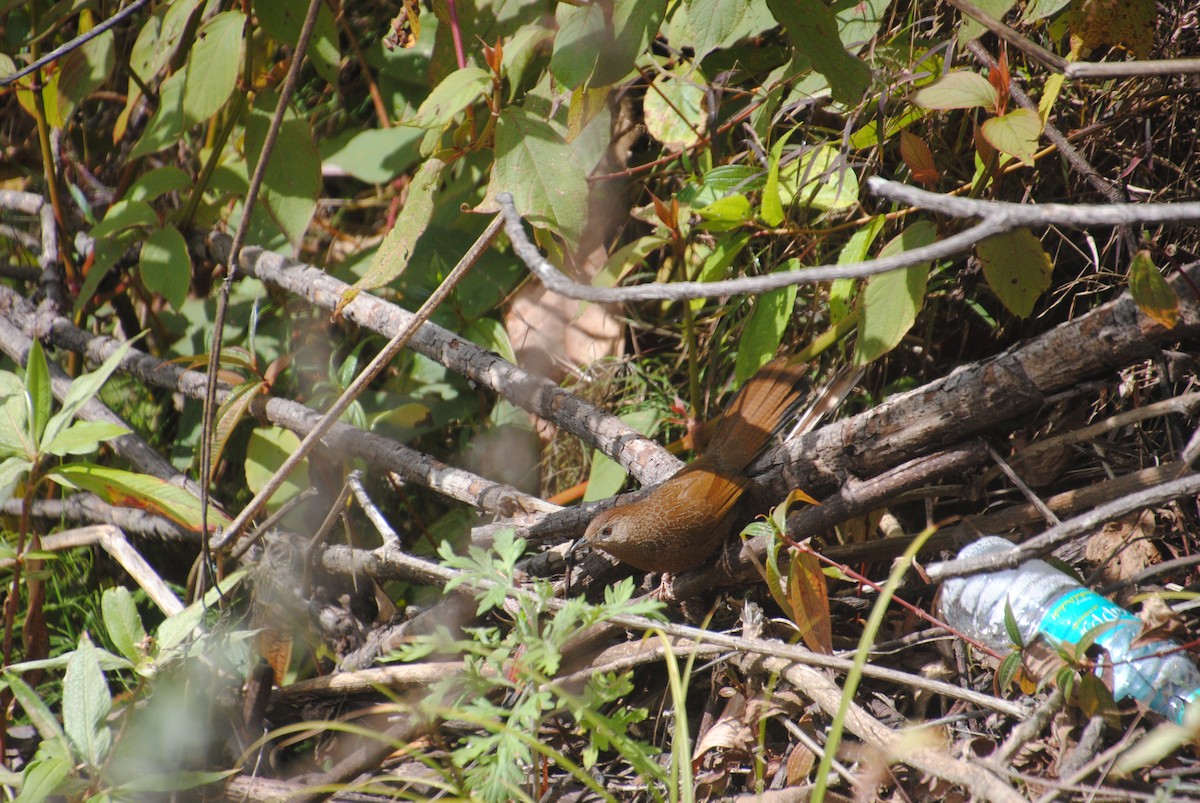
<point x="1051" y="603"/>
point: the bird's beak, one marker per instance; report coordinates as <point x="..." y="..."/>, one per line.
<point x="569" y="555"/>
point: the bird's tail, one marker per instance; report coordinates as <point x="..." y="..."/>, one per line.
<point x="765" y="406"/>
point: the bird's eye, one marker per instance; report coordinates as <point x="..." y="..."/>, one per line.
<point x="606" y="530"/>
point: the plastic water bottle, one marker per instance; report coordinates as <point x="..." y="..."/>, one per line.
<point x="1053" y="604"/>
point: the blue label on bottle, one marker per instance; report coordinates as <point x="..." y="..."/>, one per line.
<point x="1077" y="613"/>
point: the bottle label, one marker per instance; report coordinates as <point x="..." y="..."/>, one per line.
<point x="1077" y="613"/>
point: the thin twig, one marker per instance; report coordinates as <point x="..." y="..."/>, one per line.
<point x="997" y="217"/>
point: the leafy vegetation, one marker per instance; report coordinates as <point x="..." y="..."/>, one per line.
<point x="644" y="142"/>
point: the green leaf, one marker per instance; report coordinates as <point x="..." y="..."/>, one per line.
<point x="138" y="490"/>
<point x="855" y="250"/>
<point x="635" y="23"/>
<point x="125" y="214"/>
<point x="166" y="266"/>
<point x="719" y="182"/>
<point x="1015" y="133"/>
<point x="490" y="334"/>
<point x="86" y="703"/>
<point x="594" y="49"/>
<point x="1152" y="749"/>
<point x="35" y="708"/>
<point x="144" y="56"/>
<point x="213" y="65"/>
<point x="577" y="44"/>
<point x="178" y="627"/>
<point x="996" y="9"/>
<point x="377" y="155"/>
<point x="105" y="254"/>
<point x="122" y="623"/>
<point x="173" y="781"/>
<point x="175" y="24"/>
<point x="15" y="437"/>
<point x="10" y="385"/>
<point x="859" y="21"/>
<point x="813" y="31"/>
<point x="84" y="70"/>
<point x="1016" y="268"/>
<point x="819" y="179"/>
<point x="155" y="183"/>
<point x="772" y="203"/>
<point x="536" y="165"/>
<point x="37" y="381"/>
<point x="621" y="261"/>
<point x="11" y="470"/>
<point x="765" y="327"/>
<point x="397" y="248"/>
<point x="44" y="775"/>
<point x="1151" y="292"/>
<point x="82" y="390"/>
<point x="711" y="22"/>
<point x="293" y="175"/>
<point x="1011" y="627"/>
<point x="726" y="213"/>
<point x="716" y="264"/>
<point x="674" y="108"/>
<point x="458" y="91"/>
<point x="1006" y="673"/>
<point x="957" y="90"/>
<point x="168" y="122"/>
<point x="1040" y="9"/>
<point x="889" y="305"/>
<point x="83" y="437"/>
<point x="265" y="453"/>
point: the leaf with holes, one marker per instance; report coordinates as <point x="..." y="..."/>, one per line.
<point x="1129" y="23"/>
<point x="213" y="65"/>
<point x="1016" y="268"/>
<point x="675" y="108"/>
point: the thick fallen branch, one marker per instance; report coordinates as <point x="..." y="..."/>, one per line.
<point x="87" y="508"/>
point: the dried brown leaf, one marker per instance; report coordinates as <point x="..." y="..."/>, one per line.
<point x="1125" y="547"/>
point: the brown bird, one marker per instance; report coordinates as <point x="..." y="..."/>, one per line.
<point x="685" y="520"/>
